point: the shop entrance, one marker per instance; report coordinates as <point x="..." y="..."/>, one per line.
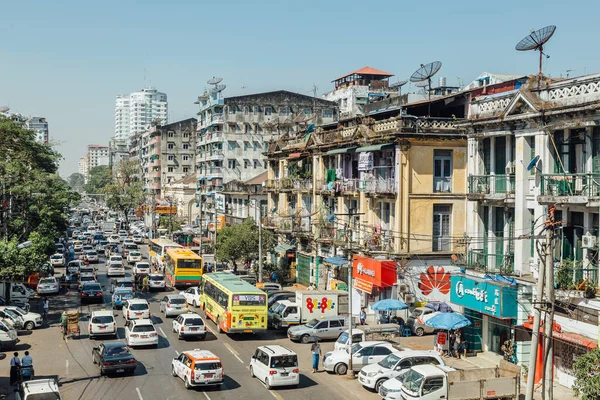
<point x="498" y="333"/>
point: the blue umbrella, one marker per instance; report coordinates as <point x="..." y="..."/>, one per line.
<point x="389" y="305"/>
<point x="448" y="321"/>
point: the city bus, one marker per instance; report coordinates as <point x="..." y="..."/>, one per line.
<point x="183" y="267"/>
<point x="158" y="250"/>
<point x="234" y="305"/>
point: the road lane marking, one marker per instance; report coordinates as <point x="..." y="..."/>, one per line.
<point x="67" y="366"/>
<point x="205" y="395"/>
<point x="276" y="395"/>
<point x="232" y="351"/>
<point x="177" y="352"/>
<point x="161" y="331"/>
<point x="211" y="331"/>
<point x="139" y="394"/>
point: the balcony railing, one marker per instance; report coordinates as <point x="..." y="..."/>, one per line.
<point x="280" y="184"/>
<point x="302" y="225"/>
<point x="302" y="184"/>
<point x="491" y="184"/>
<point x="487" y="262"/>
<point x="573" y="278"/>
<point x="374" y="185"/>
<point x="587" y="184"/>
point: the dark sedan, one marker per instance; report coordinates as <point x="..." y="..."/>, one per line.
<point x="114" y="358"/>
<point x="91" y="292"/>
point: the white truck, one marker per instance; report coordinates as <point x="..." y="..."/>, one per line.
<point x="363" y="334"/>
<point x="310" y="304"/>
<point x="15" y="292"/>
<point x="429" y="382"/>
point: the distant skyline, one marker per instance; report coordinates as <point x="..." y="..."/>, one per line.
<point x="68" y="60"/>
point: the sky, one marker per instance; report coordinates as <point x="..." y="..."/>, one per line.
<point x="67" y="60"/>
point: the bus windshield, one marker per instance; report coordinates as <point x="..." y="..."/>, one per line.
<point x="249" y="300"/>
<point x="195" y="264"/>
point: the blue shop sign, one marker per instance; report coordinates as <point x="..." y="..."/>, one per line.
<point x="488" y="298"/>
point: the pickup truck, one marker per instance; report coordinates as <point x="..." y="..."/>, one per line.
<point x="309" y="304"/>
<point x="364" y="333"/>
<point x="429" y="382"/>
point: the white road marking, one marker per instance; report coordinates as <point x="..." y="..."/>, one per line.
<point x="177" y="352"/>
<point x="139" y="394"/>
<point x="211" y="331"/>
<point x="161" y="331"/>
<point x="205" y="395"/>
<point x="232" y="351"/>
<point x="278" y="397"/>
<point x="67" y="364"/>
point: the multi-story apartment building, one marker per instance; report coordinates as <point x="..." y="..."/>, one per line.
<point x="166" y="152"/>
<point x="118" y="149"/>
<point x="531" y="149"/>
<point x="137" y="111"/>
<point x="233" y="134"/>
<point x="83" y="166"/>
<point x="40" y="126"/>
<point x="97" y="155"/>
<point x="245" y="199"/>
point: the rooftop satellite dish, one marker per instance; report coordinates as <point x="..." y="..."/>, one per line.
<point x="533" y="163"/>
<point x="214" y="81"/>
<point x="219" y="88"/>
<point x="422" y="84"/>
<point x="536" y="40"/>
<point x="399" y="85"/>
<point x="4" y="109"/>
<point x="424" y="74"/>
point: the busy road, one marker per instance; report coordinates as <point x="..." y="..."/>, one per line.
<point x="71" y="360"/>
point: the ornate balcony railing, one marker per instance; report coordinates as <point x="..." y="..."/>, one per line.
<point x="586" y="184"/>
<point x="491" y="184"/>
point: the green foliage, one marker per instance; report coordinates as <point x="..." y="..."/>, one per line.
<point x="76" y="181"/>
<point x="587" y="375"/>
<point x="33" y="200"/>
<point x="239" y="242"/>
<point x="163" y="222"/>
<point x="125" y="192"/>
<point x="99" y="178"/>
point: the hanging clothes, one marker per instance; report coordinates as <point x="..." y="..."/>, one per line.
<point x="365" y="161"/>
<point x="330" y="176"/>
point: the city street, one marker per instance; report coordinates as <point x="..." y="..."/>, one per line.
<point x="70" y="361"/>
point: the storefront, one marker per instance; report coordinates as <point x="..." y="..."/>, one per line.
<point x="490" y="306"/>
<point x="374" y="279"/>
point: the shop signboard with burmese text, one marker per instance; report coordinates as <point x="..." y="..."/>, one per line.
<point x="484" y="296"/>
<point x="368" y="273"/>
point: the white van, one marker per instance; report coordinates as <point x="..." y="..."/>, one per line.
<point x="275" y="366"/>
<point x="8" y="336"/>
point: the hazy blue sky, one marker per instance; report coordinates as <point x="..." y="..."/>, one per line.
<point x="66" y="60"/>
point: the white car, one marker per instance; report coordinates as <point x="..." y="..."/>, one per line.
<point x="190" y="324"/>
<point x="57" y="260"/>
<point x="48" y="286"/>
<point x="114" y="239"/>
<point x="31" y="320"/>
<point x="141" y="332"/>
<point x="398" y="363"/>
<point x="122" y="235"/>
<point x="115" y="268"/>
<point x="38" y="389"/>
<point x="138" y="239"/>
<point x="86" y="278"/>
<point x="142" y="268"/>
<point x="392" y="388"/>
<point x="136" y="309"/>
<point x="102" y="323"/>
<point x="134" y="256"/>
<point x="363" y="353"/>
<point x="198" y="368"/>
<point x="92" y="256"/>
<point x="77" y="246"/>
<point x="115" y="258"/>
<point x="275" y="365"/>
<point x="192" y="296"/>
<point x="128" y="241"/>
<point x="157" y="281"/>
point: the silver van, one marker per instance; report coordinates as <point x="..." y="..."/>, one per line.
<point x="414" y="325"/>
<point x="326" y="328"/>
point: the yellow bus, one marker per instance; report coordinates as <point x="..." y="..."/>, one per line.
<point x="158" y="250"/>
<point x="183" y="267"/>
<point x="234" y="305"/>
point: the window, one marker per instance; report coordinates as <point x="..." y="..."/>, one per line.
<point x="433" y="384"/>
<point x="246" y="110"/>
<point x="232" y="109"/>
<point x="268" y="110"/>
<point x="255" y="164"/>
<point x="381" y="351"/>
<point x="171" y="157"/>
<point x="365" y="352"/>
<point x="170" y="146"/>
<point x="284" y="111"/>
<point x="231" y="145"/>
<point x="186" y="146"/>
<point x="171" y="134"/>
<point x="442" y="174"/>
<point x="231" y="164"/>
<point x="185" y="158"/>
<point x="327" y="113"/>
<point x="290" y="310"/>
<point x="186" y="170"/>
<point x="264" y="164"/>
<point x="321" y="325"/>
<point x="246" y="163"/>
<point x="256" y="110"/>
<point x="247" y="146"/>
<point x="441" y="227"/>
<point x="170" y="169"/>
<point x="186" y="135"/>
<point x="335" y="324"/>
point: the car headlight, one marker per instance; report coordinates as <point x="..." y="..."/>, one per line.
<point x="371" y="374"/>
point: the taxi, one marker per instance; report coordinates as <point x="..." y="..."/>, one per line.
<point x="102" y="323"/>
<point x="198" y="368"/>
<point x="120" y="296"/>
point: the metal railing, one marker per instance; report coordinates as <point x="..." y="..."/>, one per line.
<point x="491" y="184"/>
<point x="302" y="184"/>
<point x="586" y="184"/>
<point x="574" y="278"/>
<point x="374" y="185"/>
<point x="488" y="262"/>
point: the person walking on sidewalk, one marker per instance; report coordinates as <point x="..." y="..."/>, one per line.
<point x="46" y="307"/>
<point x="315" y="349"/>
<point x="63" y="323"/>
<point x="15" y="366"/>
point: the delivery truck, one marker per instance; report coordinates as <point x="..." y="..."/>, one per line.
<point x="310" y="304"/>
<point x="15" y="292"/>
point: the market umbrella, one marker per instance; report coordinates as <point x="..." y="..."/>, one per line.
<point x="439" y="306"/>
<point x="448" y="321"/>
<point x="389" y="305"/>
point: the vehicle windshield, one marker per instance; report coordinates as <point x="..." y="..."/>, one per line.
<point x="249" y="299"/>
<point x="87" y="278"/>
<point x="207" y="366"/>
<point x="46" y="280"/>
<point x="144" y="328"/>
<point x="11" y="313"/>
<point x="117" y="351"/>
<point x="277" y="308"/>
<point x="389" y="362"/>
<point x="194" y="264"/>
<point x="102" y="319"/>
<point x="19" y="310"/>
<point x="356" y="347"/>
<point x="141" y="265"/>
<point x="412" y="380"/>
<point x="56" y="256"/>
<point x="156" y="278"/>
<point x="312" y="323"/>
<point x="177" y="300"/>
<point x="284" y="361"/>
<point x="138" y="306"/>
<point x="91" y="286"/>
<point x="343" y="338"/>
<point x="193" y="322"/>
<point x="135" y="254"/>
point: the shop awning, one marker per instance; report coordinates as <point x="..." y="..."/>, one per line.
<point x="282" y="248"/>
<point x="341" y="151"/>
<point x="569" y="337"/>
<point x="375" y="147"/>
<point x="336" y="260"/>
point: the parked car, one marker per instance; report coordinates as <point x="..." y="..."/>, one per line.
<point x="113" y="357"/>
<point x="363" y="353"/>
<point x="326" y="328"/>
<point x="12" y="318"/>
<point x="136" y="309"/>
<point x="198" y="368"/>
<point x="31" y="320"/>
<point x="275" y="365"/>
<point x="157" y="282"/>
<point x="189" y="325"/>
<point x="141" y="332"/>
<point x="8" y="336"/>
<point x="192" y="295"/>
<point x="173" y="304"/>
<point x="38" y="389"/>
<point x="48" y="285"/>
<point x="102" y="323"/>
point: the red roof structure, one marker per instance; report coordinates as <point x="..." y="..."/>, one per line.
<point x="366" y="71"/>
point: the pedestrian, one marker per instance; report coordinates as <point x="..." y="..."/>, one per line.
<point x="234" y="268"/>
<point x="145" y="283"/>
<point x="15" y="366"/>
<point x="451" y="341"/>
<point x="462" y="348"/>
<point x="27" y="360"/>
<point x="273" y="277"/>
<point x="315" y="349"/>
<point x="209" y="268"/>
<point x="46" y="307"/>
<point x="363" y="316"/>
<point x="63" y="323"/>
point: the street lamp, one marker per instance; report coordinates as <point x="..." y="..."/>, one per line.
<point x="24" y="245"/>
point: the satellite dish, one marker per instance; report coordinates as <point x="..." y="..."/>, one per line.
<point x="214" y="81"/>
<point x="4" y="109"/>
<point x="536" y="40"/>
<point x="220" y="88"/>
<point x="533" y="163"/>
<point x="422" y="84"/>
<point x="424" y="74"/>
<point x="398" y="84"/>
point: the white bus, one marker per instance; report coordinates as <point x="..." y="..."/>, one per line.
<point x="158" y="250"/>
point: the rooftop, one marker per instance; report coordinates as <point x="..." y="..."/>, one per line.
<point x="258" y="179"/>
<point x="365" y="71"/>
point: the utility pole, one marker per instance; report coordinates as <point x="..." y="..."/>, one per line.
<point x="260" y="258"/>
<point x="549" y="320"/>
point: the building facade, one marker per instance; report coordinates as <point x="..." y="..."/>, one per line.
<point x="40" y="126"/>
<point x="97" y="155"/>
<point x="137" y="111"/>
<point x="118" y="150"/>
<point x="83" y="167"/>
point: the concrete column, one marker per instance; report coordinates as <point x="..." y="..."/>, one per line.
<point x="521" y="215"/>
<point x="587" y="224"/>
<point x="397" y="227"/>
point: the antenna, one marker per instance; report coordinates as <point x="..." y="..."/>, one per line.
<point x="399" y="86"/>
<point x="535" y="41"/>
<point x="218" y="88"/>
<point x="4" y="109"/>
<point x="424" y="74"/>
<point x="214" y="81"/>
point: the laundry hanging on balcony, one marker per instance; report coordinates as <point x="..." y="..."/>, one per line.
<point x="330" y="176"/>
<point x="365" y="161"/>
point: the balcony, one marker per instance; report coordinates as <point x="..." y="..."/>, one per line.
<point x="353" y="185"/>
<point x="303" y="184"/>
<point x="491" y="187"/>
<point x="380" y="242"/>
<point x="211" y="136"/>
<point x="570" y="276"/>
<point x="217" y="119"/>
<point x="279" y="184"/>
<point x="569" y="188"/>
<point x="484" y="261"/>
<point x="302" y="226"/>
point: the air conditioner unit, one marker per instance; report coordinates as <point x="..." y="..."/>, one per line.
<point x="409" y="298"/>
<point x="589" y="241"/>
<point x="402" y="288"/>
<point x="510" y="168"/>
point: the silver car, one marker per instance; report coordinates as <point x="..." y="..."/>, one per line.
<point x="326" y="328"/>
<point x="173" y="304"/>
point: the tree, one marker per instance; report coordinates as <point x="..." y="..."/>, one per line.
<point x="99" y="178"/>
<point x="239" y="242"/>
<point x="163" y="222"/>
<point x="126" y="192"/>
<point x="587" y="375"/>
<point x="76" y="181"/>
